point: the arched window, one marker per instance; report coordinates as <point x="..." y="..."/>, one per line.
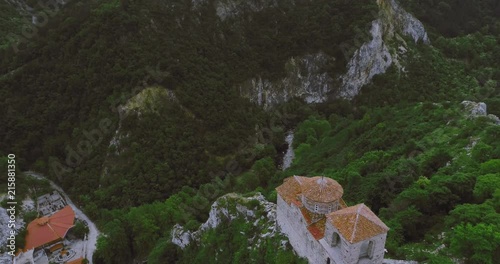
<point x="370" y="249"/>
<point x="367" y="249"/>
<point x="335" y="239"/>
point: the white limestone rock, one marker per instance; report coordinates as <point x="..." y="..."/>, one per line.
<point x="475" y="109"/>
<point x="181" y="237"/>
<point x="495" y="119"/>
<point x="375" y="57"/>
<point x="397" y="20"/>
<point x="228" y="208"/>
<point x="306" y="78"/>
<point x="371" y="59"/>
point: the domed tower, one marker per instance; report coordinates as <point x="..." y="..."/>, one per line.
<point x="321" y="195"/>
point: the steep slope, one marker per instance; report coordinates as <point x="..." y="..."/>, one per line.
<point x="10" y="22"/>
<point x="419" y="166"/>
<point x="311" y="79"/>
<point x="147" y="111"/>
<point x="306" y="78"/>
<point x="73" y="82"/>
<point x="376" y="56"/>
<point x="239" y="230"/>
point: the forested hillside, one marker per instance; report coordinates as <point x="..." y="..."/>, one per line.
<point x="134" y="108"/>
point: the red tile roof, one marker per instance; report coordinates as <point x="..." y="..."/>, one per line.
<point x="357" y="223"/>
<point x="319" y="189"/>
<point x="317" y="229"/>
<point x="290" y="189"/>
<point x="46" y="230"/>
<point x="322" y="189"/>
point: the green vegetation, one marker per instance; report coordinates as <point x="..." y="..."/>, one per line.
<point x="233" y="239"/>
<point x="403" y="146"/>
<point x="79" y="230"/>
<point x="70" y="79"/>
<point x="412" y="166"/>
<point x="11" y="23"/>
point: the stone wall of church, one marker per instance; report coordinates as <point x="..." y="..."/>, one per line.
<point x="379" y="248"/>
<point x="320" y="208"/>
<point x="350" y="253"/>
<point x="292" y="223"/>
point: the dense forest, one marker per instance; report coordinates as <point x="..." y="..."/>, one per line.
<point x="405" y="145"/>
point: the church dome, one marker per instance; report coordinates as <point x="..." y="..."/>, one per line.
<point x="322" y="190"/>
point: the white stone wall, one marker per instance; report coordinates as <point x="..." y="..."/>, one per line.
<point x="350" y="253"/>
<point x="292" y="224"/>
<point x="322" y="208"/>
<point x="379" y="248"/>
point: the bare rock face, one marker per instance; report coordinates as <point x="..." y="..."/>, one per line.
<point x="475" y="109"/>
<point x="306" y="78"/>
<point x="375" y="57"/>
<point x="371" y="59"/>
<point x="397" y="20"/>
<point x="228" y="208"/>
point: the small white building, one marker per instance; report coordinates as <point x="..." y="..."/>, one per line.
<point x="320" y="226"/>
<point x="50" y="203"/>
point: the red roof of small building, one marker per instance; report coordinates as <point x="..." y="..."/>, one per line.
<point x="357" y="223"/>
<point x="318" y="189"/>
<point x="46" y="230"/>
<point x="322" y="189"/>
<point x="290" y="189"/>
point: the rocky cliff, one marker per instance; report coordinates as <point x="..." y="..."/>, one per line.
<point x="254" y="209"/>
<point x="477" y="109"/>
<point x="376" y="56"/>
<point x="307" y="78"/>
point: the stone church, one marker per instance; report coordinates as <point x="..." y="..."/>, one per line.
<point x="323" y="229"/>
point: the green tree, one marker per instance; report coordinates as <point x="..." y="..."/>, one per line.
<point x="80" y="230"/>
<point x="491" y="166"/>
<point x="486" y="185"/>
<point x="478" y="243"/>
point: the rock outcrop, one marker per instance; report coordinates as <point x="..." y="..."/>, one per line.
<point x="371" y="59"/>
<point x="474" y="109"/>
<point x="397" y="21"/>
<point x="375" y="56"/>
<point x="306" y="78"/>
<point x="228" y="208"/>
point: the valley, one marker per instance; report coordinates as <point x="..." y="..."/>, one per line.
<point x="197" y="110"/>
